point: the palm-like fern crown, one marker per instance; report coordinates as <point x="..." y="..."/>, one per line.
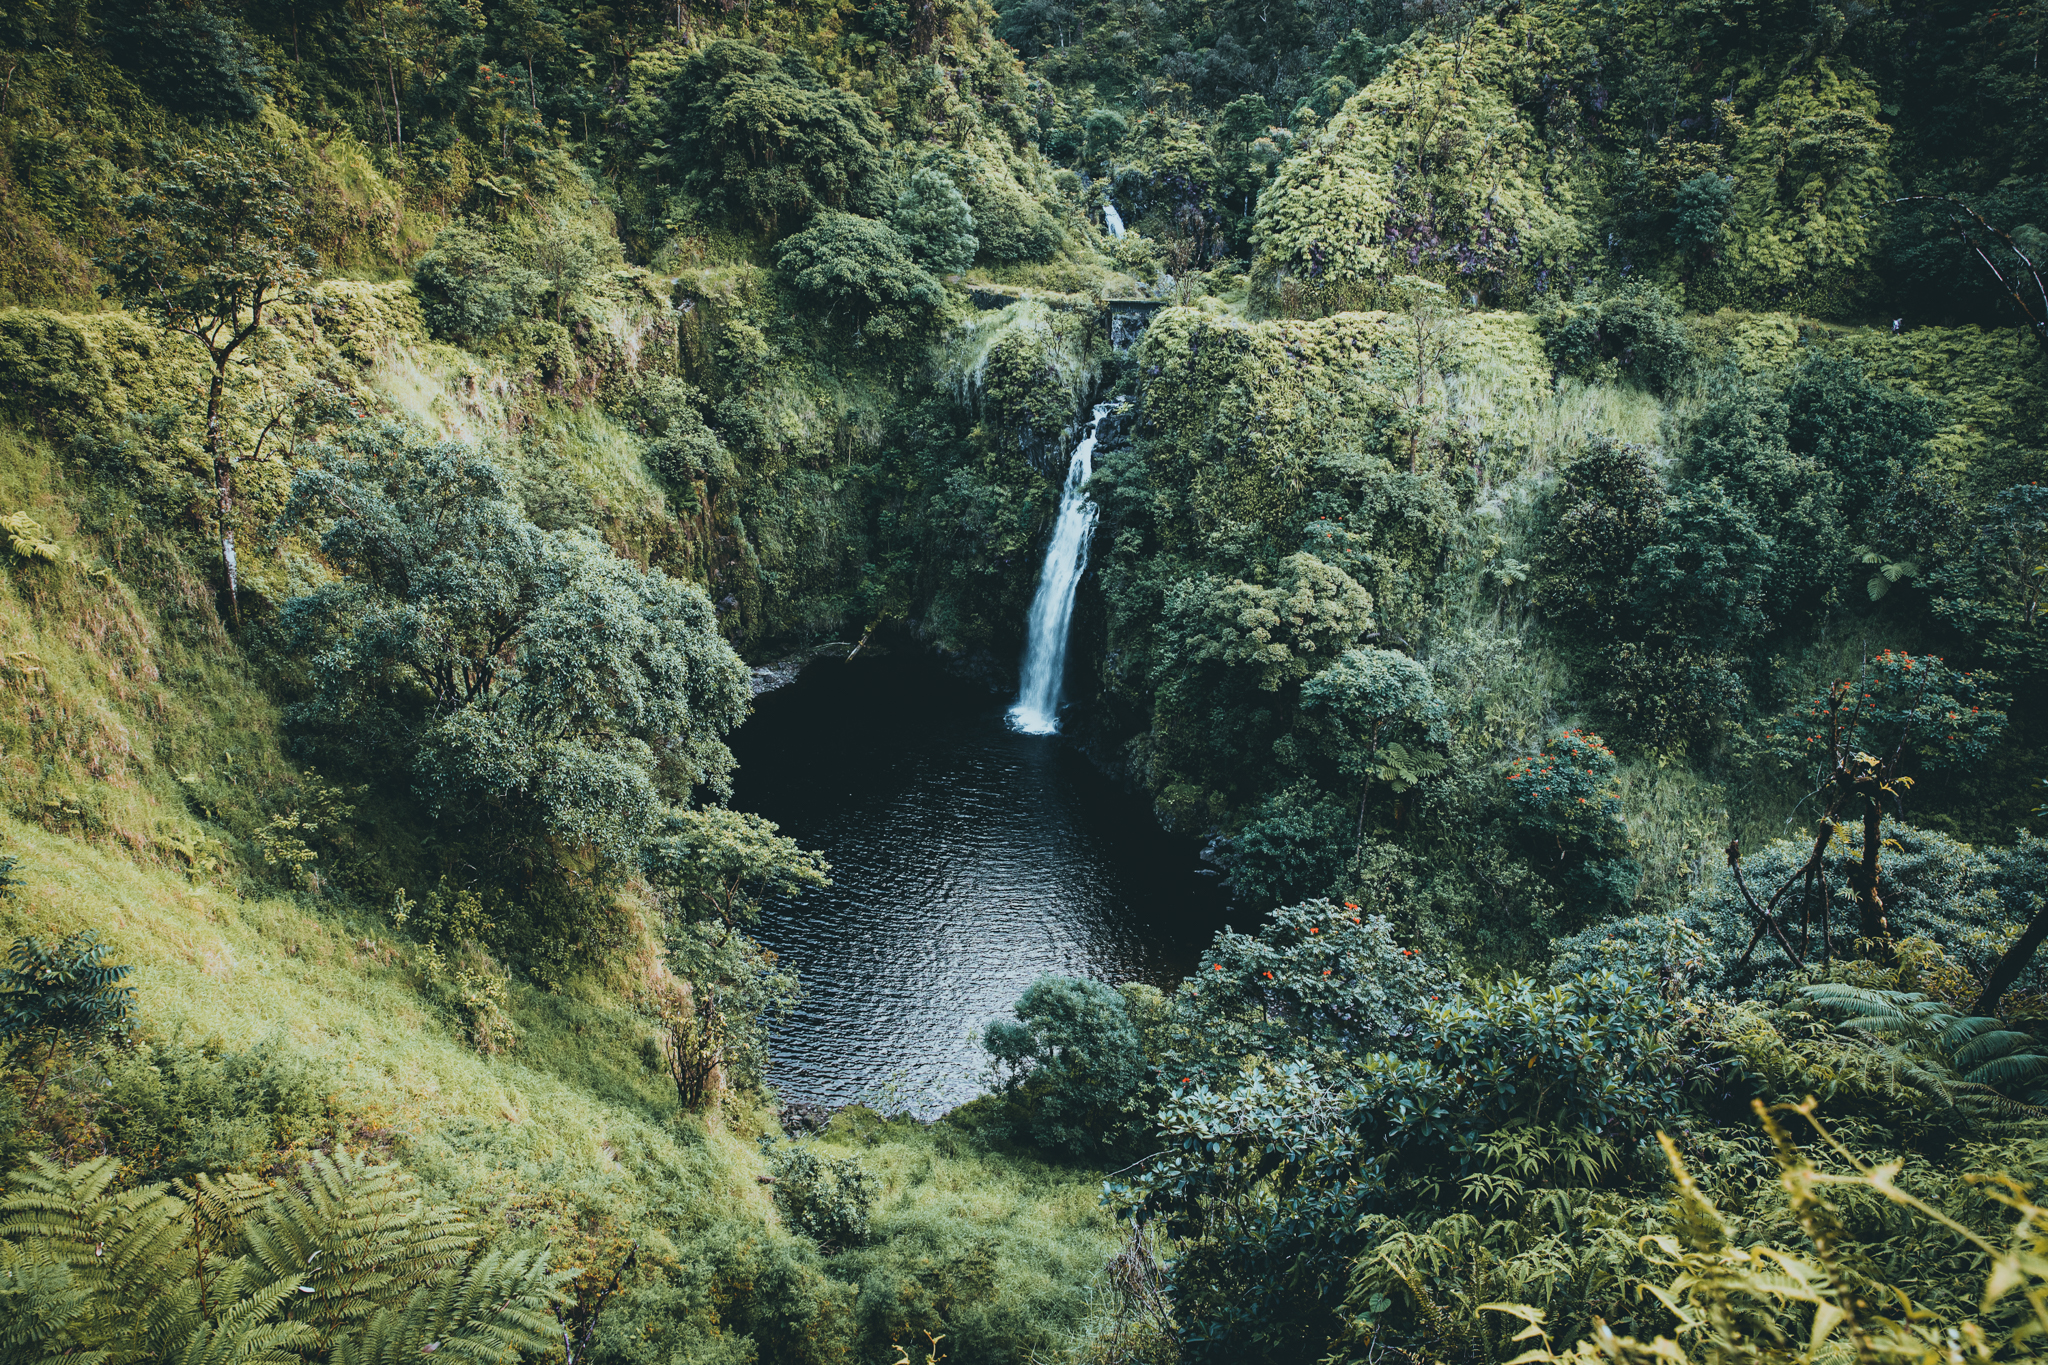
<point x="1972" y="1061"/>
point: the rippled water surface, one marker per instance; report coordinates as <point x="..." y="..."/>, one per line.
<point x="966" y="860"/>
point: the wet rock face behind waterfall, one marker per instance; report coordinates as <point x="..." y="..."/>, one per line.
<point x="1113" y="427"/>
<point x="1127" y="319"/>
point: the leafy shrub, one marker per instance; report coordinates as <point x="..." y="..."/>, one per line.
<point x="471" y="288"/>
<point x="1318" y="976"/>
<point x="1967" y="904"/>
<point x="669" y="413"/>
<point x="829" y="1202"/>
<point x="933" y="217"/>
<point x="1736" y="1300"/>
<point x="1072" y="1058"/>
<point x="174" y="1109"/>
<point x="860" y="265"/>
<point x="1635" y="331"/>
<point x="1278" y="1155"/>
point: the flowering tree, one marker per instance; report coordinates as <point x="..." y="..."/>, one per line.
<point x="1570" y="818"/>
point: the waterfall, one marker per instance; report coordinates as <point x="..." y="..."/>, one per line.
<point x="1037" y="711"/>
<point x="1111" y="219"/>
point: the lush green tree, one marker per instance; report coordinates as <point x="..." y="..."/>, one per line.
<point x="1293" y="844"/>
<point x="1856" y="747"/>
<point x="1071" y="1057"/>
<point x="214" y="242"/>
<point x="1606" y="509"/>
<point x="471" y="288"/>
<point x="1635" y="331"/>
<point x="761" y="138"/>
<point x="190" y="59"/>
<point x="858" y="264"/>
<point x="1658" y="590"/>
<point x="1379" y="192"/>
<point x="1569" y="823"/>
<point x="531" y="680"/>
<point x="1786" y="502"/>
<point x="1274" y="632"/>
<point x="717" y="863"/>
<point x="1385" y="714"/>
<point x="932" y="216"/>
<point x="1699" y="210"/>
<point x="716" y="1008"/>
<point x="1996" y="591"/>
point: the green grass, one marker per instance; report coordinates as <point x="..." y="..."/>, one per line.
<point x="571" y="1137"/>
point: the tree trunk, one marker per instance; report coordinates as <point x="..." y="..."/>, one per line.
<point x="224" y="487"/>
<point x="2012" y="964"/>
<point x="1872" y="923"/>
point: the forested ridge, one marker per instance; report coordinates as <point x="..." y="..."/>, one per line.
<point x="1571" y="553"/>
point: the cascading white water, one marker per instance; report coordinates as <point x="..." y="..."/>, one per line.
<point x="1111" y="219"/>
<point x="1037" y="711"/>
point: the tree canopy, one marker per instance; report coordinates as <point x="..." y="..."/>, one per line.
<point x="526" y="677"/>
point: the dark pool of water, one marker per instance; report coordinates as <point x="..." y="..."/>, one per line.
<point x="967" y="860"/>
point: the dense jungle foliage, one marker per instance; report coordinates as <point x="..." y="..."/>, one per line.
<point x="1572" y="547"/>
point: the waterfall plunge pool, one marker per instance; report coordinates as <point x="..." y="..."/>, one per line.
<point x="967" y="860"/>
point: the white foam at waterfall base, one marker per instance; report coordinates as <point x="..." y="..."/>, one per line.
<point x="1111" y="219"/>
<point x="1037" y="711"/>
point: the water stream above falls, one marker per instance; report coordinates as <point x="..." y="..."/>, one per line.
<point x="967" y="860"/>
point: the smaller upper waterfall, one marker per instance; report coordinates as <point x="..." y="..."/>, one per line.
<point x="1111" y="219"/>
<point x="1037" y="711"/>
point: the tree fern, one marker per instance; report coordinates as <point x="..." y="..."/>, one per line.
<point x="127" y="1251"/>
<point x="247" y="1333"/>
<point x="1973" y="1062"/>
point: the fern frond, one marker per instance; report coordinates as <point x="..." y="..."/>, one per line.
<point x="496" y="1309"/>
<point x="38" y="1305"/>
<point x="128" y="1251"/>
<point x="247" y="1335"/>
<point x="2015" y="1071"/>
<point x="358" y="1236"/>
<point x="1884" y="1013"/>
